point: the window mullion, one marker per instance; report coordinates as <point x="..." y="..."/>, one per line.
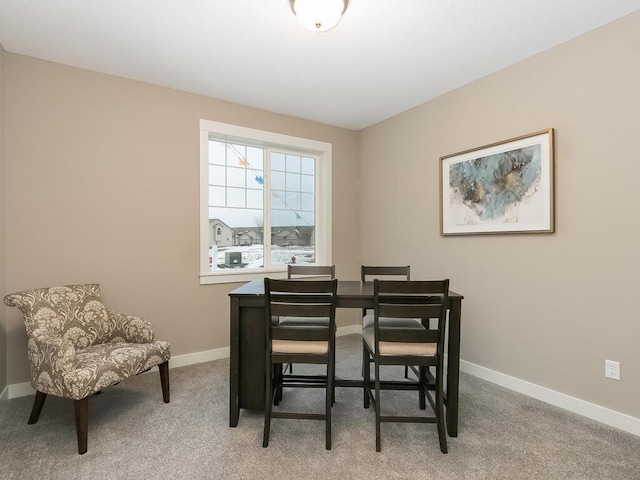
<point x="266" y="214"/>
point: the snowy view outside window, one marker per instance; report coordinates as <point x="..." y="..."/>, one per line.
<point x="252" y="189"/>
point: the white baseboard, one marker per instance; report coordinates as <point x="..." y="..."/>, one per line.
<point x="5" y="393"/>
<point x="590" y="410"/>
<point x="581" y="407"/>
<point x="20" y="390"/>
<point x="349" y="330"/>
<point x="199" y="357"/>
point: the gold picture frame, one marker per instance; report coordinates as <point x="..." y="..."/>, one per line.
<point x="503" y="187"/>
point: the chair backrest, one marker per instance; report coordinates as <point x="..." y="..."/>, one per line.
<point x="304" y="271"/>
<point x="369" y="272"/>
<point x="73" y="312"/>
<point x="300" y="298"/>
<point x="426" y="299"/>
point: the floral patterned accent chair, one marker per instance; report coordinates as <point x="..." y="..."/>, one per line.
<point x="76" y="347"/>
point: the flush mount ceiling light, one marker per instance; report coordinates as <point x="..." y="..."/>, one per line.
<point x="318" y="15"/>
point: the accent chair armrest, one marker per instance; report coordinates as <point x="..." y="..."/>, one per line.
<point x="128" y="328"/>
<point x="50" y="357"/>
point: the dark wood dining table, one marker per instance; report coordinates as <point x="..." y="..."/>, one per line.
<point x="247" y="344"/>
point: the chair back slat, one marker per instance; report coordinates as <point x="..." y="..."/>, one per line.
<point x="277" y="287"/>
<point x="302" y="271"/>
<point x="407" y="335"/>
<point x="300" y="309"/>
<point x="300" y="298"/>
<point x="369" y="271"/>
<point x="408" y="310"/>
<point x="299" y="333"/>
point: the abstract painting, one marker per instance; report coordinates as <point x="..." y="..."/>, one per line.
<point x="505" y="187"/>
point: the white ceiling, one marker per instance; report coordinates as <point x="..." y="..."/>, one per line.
<point x="385" y="56"/>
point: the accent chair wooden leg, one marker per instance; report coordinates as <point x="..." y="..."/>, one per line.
<point x="81" y="409"/>
<point x="164" y="380"/>
<point x="37" y="407"/>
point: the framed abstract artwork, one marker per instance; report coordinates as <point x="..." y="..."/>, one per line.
<point x="505" y="187"/>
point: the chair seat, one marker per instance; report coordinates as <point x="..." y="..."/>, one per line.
<point x="399" y="348"/>
<point x="387" y="322"/>
<point x="102" y="365"/>
<point x="295" y="346"/>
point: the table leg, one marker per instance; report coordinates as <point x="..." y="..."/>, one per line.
<point x="234" y="362"/>
<point x="453" y="367"/>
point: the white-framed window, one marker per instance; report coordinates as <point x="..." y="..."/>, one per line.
<point x="265" y="202"/>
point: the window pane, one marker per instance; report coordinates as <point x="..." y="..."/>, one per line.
<point x="217" y="175"/>
<point x="278" y="180"/>
<point x="217" y="196"/>
<point x="239" y="245"/>
<point x="277" y="162"/>
<point x="308" y="202"/>
<point x="293" y="163"/>
<point x="236" y="154"/>
<point x="293" y="200"/>
<point x="254" y="198"/>
<point x="235" y="197"/>
<point x="216" y="153"/>
<point x="278" y="200"/>
<point x="308" y="183"/>
<point x="292" y="222"/>
<point x="255" y="158"/>
<point x="293" y="181"/>
<point x="309" y="165"/>
<point x="236" y="177"/>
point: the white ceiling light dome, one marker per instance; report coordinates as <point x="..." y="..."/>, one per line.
<point x="319" y="15"/>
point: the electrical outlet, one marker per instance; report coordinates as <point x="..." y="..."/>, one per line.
<point x="612" y="369"/>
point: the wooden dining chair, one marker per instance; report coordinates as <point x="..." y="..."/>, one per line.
<point x="299" y="342"/>
<point x="397" y="301"/>
<point x="367" y="273"/>
<point x="305" y="272"/>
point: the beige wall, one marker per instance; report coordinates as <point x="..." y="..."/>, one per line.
<point x="548" y="309"/>
<point x="102" y="186"/>
<point x="3" y="332"/>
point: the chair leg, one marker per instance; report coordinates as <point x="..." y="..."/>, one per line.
<point x="377" y="407"/>
<point x="81" y="409"/>
<point x="366" y="369"/>
<point x="333" y="380"/>
<point x="37" y="407"/>
<point x="278" y="372"/>
<point x="164" y="380"/>
<point x="442" y="427"/>
<point x="422" y="387"/>
<point x="269" y="397"/>
<point x="328" y="403"/>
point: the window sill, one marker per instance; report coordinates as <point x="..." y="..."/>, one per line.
<point x="240" y="276"/>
